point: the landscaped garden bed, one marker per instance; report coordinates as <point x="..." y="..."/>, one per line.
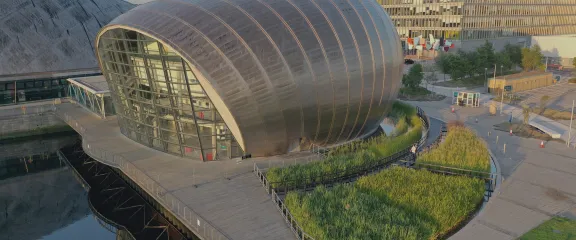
<point x="461" y="149"/>
<point x="401" y="202"/>
<point x="343" y="159"/>
<point x="397" y="203"/>
<point x="555" y="228"/>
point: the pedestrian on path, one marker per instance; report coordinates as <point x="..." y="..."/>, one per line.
<point x="413" y="154"/>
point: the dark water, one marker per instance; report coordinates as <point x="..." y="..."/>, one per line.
<point x="40" y="198"/>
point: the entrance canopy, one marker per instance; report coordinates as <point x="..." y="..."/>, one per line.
<point x="93" y="94"/>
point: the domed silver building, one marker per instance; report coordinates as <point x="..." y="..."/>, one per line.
<point x="206" y="79"/>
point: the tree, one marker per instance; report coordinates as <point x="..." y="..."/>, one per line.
<point x="458" y="67"/>
<point x="526" y="59"/>
<point x="485" y="55"/>
<point x="502" y="59"/>
<point x="532" y="58"/>
<point x="469" y="63"/>
<point x="543" y="102"/>
<point x="430" y="75"/>
<point x="443" y="63"/>
<point x="526" y="113"/>
<point x="514" y="52"/>
<point x="414" y="77"/>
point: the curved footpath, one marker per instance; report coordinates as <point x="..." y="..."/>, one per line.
<point x="538" y="183"/>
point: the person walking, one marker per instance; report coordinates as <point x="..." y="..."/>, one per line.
<point x="413" y="154"/>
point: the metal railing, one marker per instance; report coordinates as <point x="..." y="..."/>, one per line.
<point x="105" y="222"/>
<point x="290" y="220"/>
<point x="292" y="223"/>
<point x="262" y="177"/>
<point x="489" y="178"/>
<point x="202" y="228"/>
<point x="348" y="174"/>
<point x="333" y="178"/>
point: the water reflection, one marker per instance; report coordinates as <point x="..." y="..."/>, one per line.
<point x="39" y="196"/>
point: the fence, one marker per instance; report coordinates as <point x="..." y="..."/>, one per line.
<point x="349" y="174"/>
<point x="442" y="133"/>
<point x="322" y="152"/>
<point x="330" y="179"/>
<point x="187" y="216"/>
<point x="489" y="178"/>
<point x="105" y="222"/>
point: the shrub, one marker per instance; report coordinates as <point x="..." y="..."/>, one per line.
<point x="397" y="203"/>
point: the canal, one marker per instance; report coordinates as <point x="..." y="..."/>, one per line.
<point x="40" y="198"/>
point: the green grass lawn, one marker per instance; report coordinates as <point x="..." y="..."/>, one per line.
<point x="461" y="149"/>
<point x="397" y="203"/>
<point x="557" y="228"/>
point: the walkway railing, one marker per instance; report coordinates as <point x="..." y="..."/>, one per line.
<point x="187" y="216"/>
<point x="105" y="222"/>
<point x="489" y="178"/>
<point x="348" y="175"/>
<point x="322" y="152"/>
<point x="330" y="179"/>
<point x="292" y="223"/>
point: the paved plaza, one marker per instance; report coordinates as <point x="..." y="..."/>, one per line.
<point x="538" y="183"/>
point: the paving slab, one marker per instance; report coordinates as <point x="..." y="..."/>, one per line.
<point x="225" y="194"/>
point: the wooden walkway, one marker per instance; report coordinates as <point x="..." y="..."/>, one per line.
<point x="225" y="194"/>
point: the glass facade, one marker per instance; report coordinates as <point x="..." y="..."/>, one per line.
<point x="12" y="92"/>
<point x="482" y="19"/>
<point x="98" y="103"/>
<point x="158" y="99"/>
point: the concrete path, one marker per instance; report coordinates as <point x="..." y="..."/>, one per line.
<point x="435" y="131"/>
<point x="549" y="126"/>
<point x="223" y="194"/>
<point x="538" y="183"/>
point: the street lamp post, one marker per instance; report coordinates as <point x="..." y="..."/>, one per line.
<point x="486" y="79"/>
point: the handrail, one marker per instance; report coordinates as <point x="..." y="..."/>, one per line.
<point x="383" y="162"/>
<point x="347" y="174"/>
<point x="102" y="219"/>
<point x="201" y="227"/>
<point x="340" y="176"/>
<point x="294" y="226"/>
<point x="453" y="170"/>
<point x="99" y="217"/>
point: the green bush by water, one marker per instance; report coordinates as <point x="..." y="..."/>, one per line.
<point x="397" y="203"/>
<point x="461" y="149"/>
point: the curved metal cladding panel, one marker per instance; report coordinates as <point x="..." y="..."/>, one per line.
<point x="323" y="70"/>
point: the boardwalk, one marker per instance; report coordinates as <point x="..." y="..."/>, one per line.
<point x="239" y="208"/>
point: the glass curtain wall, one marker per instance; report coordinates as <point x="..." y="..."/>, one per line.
<point x="32" y="90"/>
<point x="100" y="103"/>
<point x="159" y="101"/>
